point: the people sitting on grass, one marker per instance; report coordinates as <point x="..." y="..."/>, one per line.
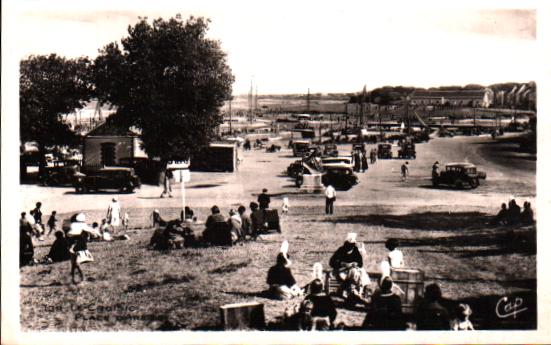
<point x="461" y="321"/>
<point x="282" y="284"/>
<point x="385" y="310"/>
<point x="186" y="213"/>
<point x="527" y="215"/>
<point x="245" y="221"/>
<point x="217" y="230"/>
<point x="395" y="256"/>
<point x="501" y="217"/>
<point x="347" y="264"/>
<point x="513" y="214"/>
<point x="59" y="251"/>
<point x="256" y="220"/>
<point x="236" y="227"/>
<point x="156" y="219"/>
<point x="430" y="314"/>
<point x="318" y="309"/>
<point x="172" y="235"/>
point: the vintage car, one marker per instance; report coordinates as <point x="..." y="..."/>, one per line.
<point x="330" y="150"/>
<point x="407" y="150"/>
<point x="121" y="179"/>
<point x="459" y="175"/>
<point x="347" y="161"/>
<point x="339" y="176"/>
<point x="59" y="175"/>
<point x="296" y="168"/>
<point x="301" y="148"/>
<point x="384" y="151"/>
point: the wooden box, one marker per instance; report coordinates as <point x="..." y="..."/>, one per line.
<point x="412" y="282"/>
<point x="243" y="316"/>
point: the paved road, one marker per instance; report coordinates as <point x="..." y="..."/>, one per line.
<point x="381" y="185"/>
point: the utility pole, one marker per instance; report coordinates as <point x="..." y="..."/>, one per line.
<point x="230" y="115"/>
<point x="308" y="101"/>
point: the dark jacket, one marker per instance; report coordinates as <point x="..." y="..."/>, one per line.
<point x="385" y="312"/>
<point x="264" y="200"/>
<point x="341" y="256"/>
<point x="280" y="275"/>
<point x="431" y="315"/>
<point x="323" y="306"/>
<point x="59" y="250"/>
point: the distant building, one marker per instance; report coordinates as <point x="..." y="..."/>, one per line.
<point x="456" y="98"/>
<point x="108" y="144"/>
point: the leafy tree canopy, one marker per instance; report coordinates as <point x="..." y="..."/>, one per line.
<point x="169" y="80"/>
<point x="49" y="87"/>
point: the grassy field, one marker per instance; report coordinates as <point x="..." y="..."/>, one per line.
<point x="130" y="287"/>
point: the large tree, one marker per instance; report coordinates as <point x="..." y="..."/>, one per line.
<point x="50" y="87"/>
<point x="168" y="80"/>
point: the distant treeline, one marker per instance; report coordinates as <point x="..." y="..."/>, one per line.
<point x="522" y="95"/>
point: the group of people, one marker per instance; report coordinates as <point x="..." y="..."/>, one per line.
<point x="70" y="242"/>
<point x="382" y="300"/>
<point x="360" y="161"/>
<point x="511" y="214"/>
<point x="235" y="228"/>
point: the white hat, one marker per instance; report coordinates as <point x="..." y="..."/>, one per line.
<point x="351" y="237"/>
<point x="81" y="217"/>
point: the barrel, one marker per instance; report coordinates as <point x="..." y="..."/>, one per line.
<point x="411" y="281"/>
<point x="243" y="316"/>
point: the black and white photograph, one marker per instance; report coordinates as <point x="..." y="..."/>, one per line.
<point x="249" y="169"/>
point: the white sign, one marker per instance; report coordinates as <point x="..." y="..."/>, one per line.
<point x="186" y="175"/>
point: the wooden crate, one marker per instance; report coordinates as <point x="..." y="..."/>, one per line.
<point x="242" y="316"/>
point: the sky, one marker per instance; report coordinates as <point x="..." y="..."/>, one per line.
<point x="339" y="46"/>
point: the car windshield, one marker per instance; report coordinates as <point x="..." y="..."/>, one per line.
<point x="470" y="170"/>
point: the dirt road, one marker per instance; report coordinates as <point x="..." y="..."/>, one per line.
<point x="380" y="186"/>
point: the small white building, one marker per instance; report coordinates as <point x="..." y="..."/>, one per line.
<point x="107" y="144"/>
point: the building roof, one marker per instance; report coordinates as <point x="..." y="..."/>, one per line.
<point x="110" y="128"/>
<point x="462" y="94"/>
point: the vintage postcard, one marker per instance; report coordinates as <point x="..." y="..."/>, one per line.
<point x="274" y="172"/>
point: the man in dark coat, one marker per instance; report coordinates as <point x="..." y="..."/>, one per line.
<point x="60" y="248"/>
<point x="264" y="199"/>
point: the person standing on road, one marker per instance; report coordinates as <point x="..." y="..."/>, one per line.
<point x="405" y="171"/>
<point x="114" y="213"/>
<point x="364" y="162"/>
<point x="167" y="188"/>
<point x="330" y="197"/>
<point x="435" y="170"/>
<point x="264" y="199"/>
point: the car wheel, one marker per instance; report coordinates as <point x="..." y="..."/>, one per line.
<point x="459" y="184"/>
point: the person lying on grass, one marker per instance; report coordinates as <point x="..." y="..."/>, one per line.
<point x="281" y="281"/>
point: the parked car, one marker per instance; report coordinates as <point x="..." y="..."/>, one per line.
<point x="330" y="150"/>
<point x="339" y="176"/>
<point x="121" y="179"/>
<point x="384" y="151"/>
<point x="407" y="150"/>
<point x="459" y="175"/>
<point x="347" y="161"/>
<point x="59" y="175"/>
<point x="301" y="148"/>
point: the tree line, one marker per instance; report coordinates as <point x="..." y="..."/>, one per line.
<point x="166" y="78"/>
